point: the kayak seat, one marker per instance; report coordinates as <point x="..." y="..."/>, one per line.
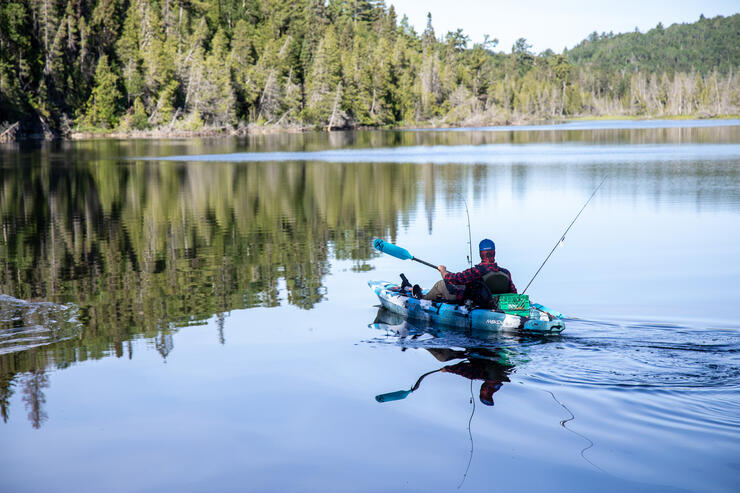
<point x="497" y="282"/>
<point x="484" y="292"/>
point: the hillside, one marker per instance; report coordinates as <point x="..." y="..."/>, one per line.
<point x="702" y="46"/>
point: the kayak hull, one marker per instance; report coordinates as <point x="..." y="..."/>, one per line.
<point x="539" y="320"/>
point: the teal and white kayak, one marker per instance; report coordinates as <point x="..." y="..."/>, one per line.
<point x="539" y="321"/>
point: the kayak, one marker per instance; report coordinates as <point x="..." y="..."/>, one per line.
<point x="539" y="319"/>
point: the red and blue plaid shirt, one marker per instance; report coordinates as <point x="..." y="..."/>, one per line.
<point x="488" y="264"/>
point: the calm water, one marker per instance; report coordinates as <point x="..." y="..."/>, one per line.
<point x="193" y="315"/>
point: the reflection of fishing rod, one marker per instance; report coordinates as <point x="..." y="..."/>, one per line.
<point x="562" y="238"/>
<point x="402" y="394"/>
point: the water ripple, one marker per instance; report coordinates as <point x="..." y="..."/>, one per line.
<point x="29" y="324"/>
<point x="641" y="356"/>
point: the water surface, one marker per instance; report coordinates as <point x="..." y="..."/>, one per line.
<point x="194" y="315"/>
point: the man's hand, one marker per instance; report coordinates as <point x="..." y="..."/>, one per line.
<point x="442" y="270"/>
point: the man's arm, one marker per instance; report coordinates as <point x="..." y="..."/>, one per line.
<point x="464" y="277"/>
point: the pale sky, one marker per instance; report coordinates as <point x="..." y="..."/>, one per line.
<point x="553" y="24"/>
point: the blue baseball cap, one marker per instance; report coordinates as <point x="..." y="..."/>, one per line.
<point x="486" y="245"/>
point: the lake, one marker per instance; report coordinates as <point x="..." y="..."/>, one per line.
<point x="194" y="315"/>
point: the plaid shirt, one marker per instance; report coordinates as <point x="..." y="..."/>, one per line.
<point x="488" y="264"/>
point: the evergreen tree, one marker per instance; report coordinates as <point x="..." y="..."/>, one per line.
<point x="103" y="105"/>
<point x="217" y="104"/>
<point x="139" y="119"/>
<point x="324" y="81"/>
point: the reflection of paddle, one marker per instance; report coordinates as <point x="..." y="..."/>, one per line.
<point x="402" y="394"/>
<point x="398" y="252"/>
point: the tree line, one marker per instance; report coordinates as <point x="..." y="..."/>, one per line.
<point x="185" y="65"/>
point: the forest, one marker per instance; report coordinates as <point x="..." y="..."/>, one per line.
<point x="178" y="66"/>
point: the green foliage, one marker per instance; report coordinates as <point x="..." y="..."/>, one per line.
<point x="15" y="69"/>
<point x="336" y="64"/>
<point x="324" y="82"/>
<point x="703" y="46"/>
<point x="166" y="103"/>
<point x="103" y="105"/>
<point x="139" y="118"/>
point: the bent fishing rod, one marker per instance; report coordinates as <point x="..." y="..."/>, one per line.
<point x="562" y="238"/>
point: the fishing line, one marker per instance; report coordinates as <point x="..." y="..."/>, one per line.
<point x="470" y="433"/>
<point x="562" y="238"/>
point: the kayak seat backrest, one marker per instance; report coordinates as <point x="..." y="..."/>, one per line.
<point x="497" y="282"/>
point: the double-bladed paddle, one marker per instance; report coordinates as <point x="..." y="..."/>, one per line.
<point x="398" y="252"/>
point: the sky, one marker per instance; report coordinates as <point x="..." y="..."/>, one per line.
<point x="553" y="24"/>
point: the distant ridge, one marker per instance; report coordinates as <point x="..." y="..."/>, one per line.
<point x="702" y="46"/>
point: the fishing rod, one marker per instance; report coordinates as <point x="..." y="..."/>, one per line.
<point x="470" y="236"/>
<point x="562" y="238"/>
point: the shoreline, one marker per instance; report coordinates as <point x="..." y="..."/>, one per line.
<point x="271" y="130"/>
<point x="253" y="129"/>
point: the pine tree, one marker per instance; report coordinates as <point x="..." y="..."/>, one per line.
<point x="217" y="102"/>
<point x="241" y="61"/>
<point x="103" y="105"/>
<point x="127" y="50"/>
<point x="15" y="59"/>
<point x="139" y="118"/>
<point x="324" y="80"/>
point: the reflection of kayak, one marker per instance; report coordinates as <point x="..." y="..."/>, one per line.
<point x="539" y="319"/>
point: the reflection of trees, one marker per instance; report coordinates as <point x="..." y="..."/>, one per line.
<point x="6" y="392"/>
<point x="164" y="344"/>
<point x="141" y="248"/>
<point x="33" y="396"/>
<point x="143" y="243"/>
<point x="26" y="327"/>
<point x="494" y="135"/>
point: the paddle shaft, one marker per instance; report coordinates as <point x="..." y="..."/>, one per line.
<point x="418" y="382"/>
<point x="425" y="263"/>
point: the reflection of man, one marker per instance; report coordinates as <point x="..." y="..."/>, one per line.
<point x="475" y="367"/>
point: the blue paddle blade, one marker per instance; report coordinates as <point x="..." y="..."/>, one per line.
<point x="391" y="249"/>
<point x="392" y="396"/>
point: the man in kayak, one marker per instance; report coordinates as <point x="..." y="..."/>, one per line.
<point x="452" y="285"/>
